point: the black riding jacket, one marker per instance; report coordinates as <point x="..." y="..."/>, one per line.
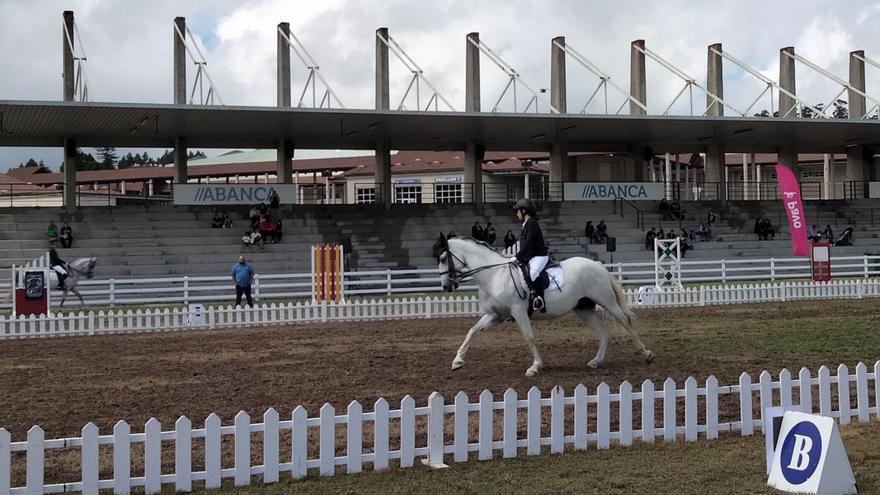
<point x="531" y="242"/>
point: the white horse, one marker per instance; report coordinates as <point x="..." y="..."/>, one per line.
<point x="80" y="267"/>
<point x="502" y="295"/>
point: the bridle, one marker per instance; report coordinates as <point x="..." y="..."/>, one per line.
<point x="459" y="276"/>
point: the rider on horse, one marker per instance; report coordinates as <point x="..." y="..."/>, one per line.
<point x="59" y="266"/>
<point x="533" y="255"/>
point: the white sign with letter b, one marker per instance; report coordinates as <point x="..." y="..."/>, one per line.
<point x="810" y="457"/>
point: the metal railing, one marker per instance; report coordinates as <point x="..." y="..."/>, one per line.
<point x="175" y="290"/>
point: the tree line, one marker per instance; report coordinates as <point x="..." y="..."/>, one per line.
<point x="108" y="159"/>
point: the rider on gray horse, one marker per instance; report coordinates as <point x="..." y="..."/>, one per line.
<point x="533" y="255"/>
<point x="59" y="266"/>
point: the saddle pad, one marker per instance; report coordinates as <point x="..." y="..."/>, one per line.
<point x="557" y="280"/>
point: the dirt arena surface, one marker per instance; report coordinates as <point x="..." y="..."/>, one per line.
<point x="63" y="383"/>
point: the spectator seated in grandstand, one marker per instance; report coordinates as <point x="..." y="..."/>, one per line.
<point x="813" y="234"/>
<point x="683" y="239"/>
<point x="254" y="215"/>
<point x="277" y="233"/>
<point x="765" y="229"/>
<point x="509" y="240"/>
<point x="52" y="232"/>
<point x="675" y="211"/>
<point x="663" y="208"/>
<point x="828" y="234"/>
<point x="601" y="232"/>
<point x="267" y="229"/>
<point x="227" y="221"/>
<point x="217" y="221"/>
<point x="477" y="231"/>
<point x="489" y="234"/>
<point x="710" y="219"/>
<point x="649" y="238"/>
<point x="845" y="238"/>
<point x="66" y="236"/>
<point x="590" y="231"/>
<point x="252" y="238"/>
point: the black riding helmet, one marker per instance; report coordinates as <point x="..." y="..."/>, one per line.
<point x="527" y="205"/>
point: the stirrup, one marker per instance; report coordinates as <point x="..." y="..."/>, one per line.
<point x="538" y="303"/>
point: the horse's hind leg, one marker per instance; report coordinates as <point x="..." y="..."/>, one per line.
<point x="81" y="302"/>
<point x="484" y="322"/>
<point x="627" y="322"/>
<point x="592" y="319"/>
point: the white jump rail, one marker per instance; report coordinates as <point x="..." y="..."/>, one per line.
<point x="646" y="412"/>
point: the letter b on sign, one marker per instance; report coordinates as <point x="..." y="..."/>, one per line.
<point x="801" y="450"/>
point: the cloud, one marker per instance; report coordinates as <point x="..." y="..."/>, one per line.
<point x="129" y="46"/>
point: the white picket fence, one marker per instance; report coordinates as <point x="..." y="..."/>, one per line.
<point x="214" y="317"/>
<point x="193" y="289"/>
<point x="646" y="414"/>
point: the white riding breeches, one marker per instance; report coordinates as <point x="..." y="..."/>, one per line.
<point x="59" y="270"/>
<point x="536" y="265"/>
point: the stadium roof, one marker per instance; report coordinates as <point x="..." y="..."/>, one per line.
<point x="29" y="123"/>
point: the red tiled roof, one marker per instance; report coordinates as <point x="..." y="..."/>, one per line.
<point x="26" y="173"/>
<point x="420" y="162"/>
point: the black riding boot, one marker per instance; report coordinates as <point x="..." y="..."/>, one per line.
<point x="537" y="295"/>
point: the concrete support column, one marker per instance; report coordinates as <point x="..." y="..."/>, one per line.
<point x="150" y="187"/>
<point x="70" y="175"/>
<point x="859" y="159"/>
<point x="715" y="82"/>
<point x="745" y="159"/>
<point x="180" y="158"/>
<point x="828" y="176"/>
<point x="757" y="177"/>
<point x="284" y="155"/>
<point x="678" y="176"/>
<point x="383" y="101"/>
<point x="557" y="75"/>
<point x="383" y="174"/>
<point x="687" y="182"/>
<point x="637" y="83"/>
<point x="68" y="73"/>
<point x="282" y="65"/>
<point x="472" y="74"/>
<point x="474" y="154"/>
<point x="787" y="104"/>
<point x="788" y="156"/>
<point x="668" y="177"/>
<point x="653" y="169"/>
<point x="122" y="187"/>
<point x="179" y="62"/>
<point x="558" y="170"/>
<point x="715" y="175"/>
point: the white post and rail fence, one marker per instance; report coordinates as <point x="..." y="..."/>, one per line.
<point x="195" y="289"/>
<point x="294" y="443"/>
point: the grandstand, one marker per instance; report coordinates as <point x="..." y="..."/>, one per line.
<point x="163" y="240"/>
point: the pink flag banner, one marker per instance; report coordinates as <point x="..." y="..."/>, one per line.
<point x="791" y="199"/>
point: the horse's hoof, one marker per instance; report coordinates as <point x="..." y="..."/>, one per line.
<point x="649" y="356"/>
<point x="593" y="364"/>
<point x="457" y="365"/>
<point x="531" y="371"/>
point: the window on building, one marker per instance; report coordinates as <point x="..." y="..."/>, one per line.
<point x="408" y="194"/>
<point x="364" y="195"/>
<point x="447" y="193"/>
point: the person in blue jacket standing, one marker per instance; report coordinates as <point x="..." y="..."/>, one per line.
<point x="243" y="277"/>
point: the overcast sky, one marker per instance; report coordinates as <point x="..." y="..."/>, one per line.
<point x="129" y="47"/>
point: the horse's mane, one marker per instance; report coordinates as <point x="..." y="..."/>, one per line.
<point x="480" y="243"/>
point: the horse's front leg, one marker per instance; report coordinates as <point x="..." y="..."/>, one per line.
<point x="486" y="321"/>
<point x="525" y="325"/>
<point x="81" y="302"/>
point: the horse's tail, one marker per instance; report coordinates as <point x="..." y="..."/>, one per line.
<point x="620" y="297"/>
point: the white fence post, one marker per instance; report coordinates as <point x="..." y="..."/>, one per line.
<point x="648" y="425"/>
<point x="112" y="292"/>
<point x="35" y="460"/>
<point x="460" y="435"/>
<point x="843" y="394"/>
<point x="327" y="448"/>
<point x="580" y="417"/>
<point x="122" y="458"/>
<point x="711" y="407"/>
<point x="185" y="290"/>
<point x="354" y="438"/>
<point x="485" y="431"/>
<point x="745" y="405"/>
<point x="153" y="456"/>
<point x="625" y="413"/>
<point x="89" y="466"/>
<point x="270" y="446"/>
<point x="388" y="281"/>
<point x="380" y="435"/>
<point x="299" y="439"/>
<point x="435" y="429"/>
<point x="509" y="431"/>
<point x="862" y="392"/>
<point x="407" y="431"/>
<point x="5" y="459"/>
<point x="533" y="422"/>
<point x="603" y="416"/>
<point x="183" y="454"/>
